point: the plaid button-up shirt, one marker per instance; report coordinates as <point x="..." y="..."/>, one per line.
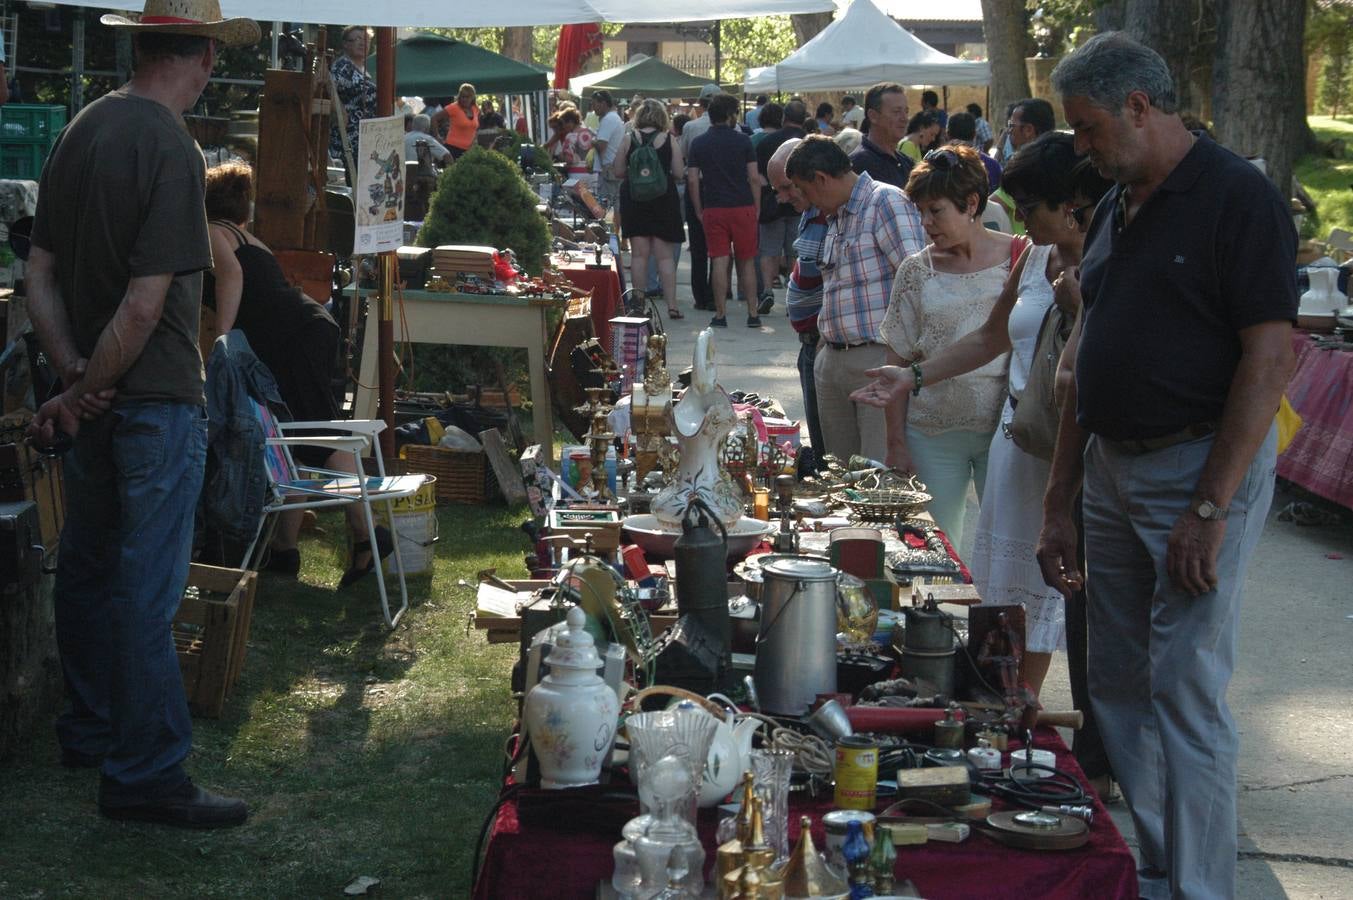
<point x="866" y="241"/>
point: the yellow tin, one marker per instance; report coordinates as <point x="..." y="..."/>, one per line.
<point x="857" y="772"/>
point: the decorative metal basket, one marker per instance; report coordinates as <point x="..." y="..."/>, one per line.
<point x="882" y="504"/>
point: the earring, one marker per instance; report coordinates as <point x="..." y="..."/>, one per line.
<point x="1070" y="222"/>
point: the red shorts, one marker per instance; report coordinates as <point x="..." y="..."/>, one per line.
<point x="733" y="225"/>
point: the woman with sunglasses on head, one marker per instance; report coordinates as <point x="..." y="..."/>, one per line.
<point x="1055" y="192"/>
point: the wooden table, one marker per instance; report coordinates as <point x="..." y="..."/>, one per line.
<point x="475" y="320"/>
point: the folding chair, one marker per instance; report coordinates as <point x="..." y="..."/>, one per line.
<point x="293" y="487"/>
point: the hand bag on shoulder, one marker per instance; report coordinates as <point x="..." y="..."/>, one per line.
<point x="1033" y="428"/>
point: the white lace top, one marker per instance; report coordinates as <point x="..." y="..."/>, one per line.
<point x="927" y="312"/>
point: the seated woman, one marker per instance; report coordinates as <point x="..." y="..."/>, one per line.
<point x="291" y="334"/>
<point x="1055" y="193"/>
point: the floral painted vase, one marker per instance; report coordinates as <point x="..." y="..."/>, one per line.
<point x="570" y="716"/>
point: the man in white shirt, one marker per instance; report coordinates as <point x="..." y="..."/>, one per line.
<point x="852" y="114"/>
<point x="605" y="145"/>
<point x="416" y="130"/>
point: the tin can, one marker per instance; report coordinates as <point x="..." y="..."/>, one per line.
<point x="835" y="824"/>
<point x="857" y="772"/>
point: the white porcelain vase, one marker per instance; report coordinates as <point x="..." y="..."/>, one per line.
<point x="570" y="716"/>
<point x="700" y="420"/>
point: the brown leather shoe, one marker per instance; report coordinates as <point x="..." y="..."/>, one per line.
<point x="187" y="807"/>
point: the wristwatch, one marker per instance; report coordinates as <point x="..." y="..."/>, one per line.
<point x="1209" y="511"/>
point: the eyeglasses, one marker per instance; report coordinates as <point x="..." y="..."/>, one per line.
<point x="1025" y="208"/>
<point x="1079" y="212"/>
<point x="944" y="158"/>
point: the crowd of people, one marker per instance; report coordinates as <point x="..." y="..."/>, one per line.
<point x="1165" y="263"/>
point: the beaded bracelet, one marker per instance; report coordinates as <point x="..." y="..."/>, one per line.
<point x="916" y="376"/>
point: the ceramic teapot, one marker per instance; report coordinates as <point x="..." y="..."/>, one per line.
<point x="729" y="755"/>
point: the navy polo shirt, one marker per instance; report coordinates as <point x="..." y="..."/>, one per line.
<point x="882" y="164"/>
<point x="721" y="154"/>
<point x="1211" y="252"/>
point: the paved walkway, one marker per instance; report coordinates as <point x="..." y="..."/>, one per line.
<point x="1293" y="690"/>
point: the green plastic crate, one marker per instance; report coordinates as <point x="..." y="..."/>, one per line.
<point x="23" y="160"/>
<point x="31" y="122"/>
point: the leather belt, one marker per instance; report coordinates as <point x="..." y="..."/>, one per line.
<point x="835" y="346"/>
<point x="1138" y="446"/>
<point x="809" y="337"/>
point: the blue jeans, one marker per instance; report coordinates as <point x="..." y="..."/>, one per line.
<point x="947" y="462"/>
<point x="807" y="355"/>
<point x="132" y="485"/>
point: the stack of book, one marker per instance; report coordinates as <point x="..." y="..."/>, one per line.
<point x="451" y="260"/>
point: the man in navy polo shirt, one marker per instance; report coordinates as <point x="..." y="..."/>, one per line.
<point x="1181" y="355"/>
<point x="724" y="188"/>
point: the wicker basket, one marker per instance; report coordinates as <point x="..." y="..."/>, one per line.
<point x="462" y="476"/>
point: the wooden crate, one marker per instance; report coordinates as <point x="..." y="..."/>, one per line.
<point x="211" y="632"/>
<point x="462" y="476"/>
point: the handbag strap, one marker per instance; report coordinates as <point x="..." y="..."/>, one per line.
<point x="1017" y="245"/>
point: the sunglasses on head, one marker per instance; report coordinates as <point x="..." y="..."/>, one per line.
<point x="943" y="158"/>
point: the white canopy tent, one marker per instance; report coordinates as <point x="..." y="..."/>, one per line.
<point x="427" y="13"/>
<point x="862" y="47"/>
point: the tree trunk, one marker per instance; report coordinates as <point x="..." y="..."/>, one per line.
<point x="808" y="25"/>
<point x="1259" y="86"/>
<point x="1109" y="15"/>
<point x="519" y="43"/>
<point x="1181" y="32"/>
<point x="1007" y="37"/>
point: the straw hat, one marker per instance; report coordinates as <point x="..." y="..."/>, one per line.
<point x="196" y="17"/>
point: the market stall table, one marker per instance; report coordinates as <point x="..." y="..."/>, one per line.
<point x="558" y="844"/>
<point x="604" y="283"/>
<point x="1320" y="457"/>
<point x="476" y="320"/>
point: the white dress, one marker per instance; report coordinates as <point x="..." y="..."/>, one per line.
<point x="1003" y="564"/>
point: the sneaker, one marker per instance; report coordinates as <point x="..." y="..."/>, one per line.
<point x="767" y="301"/>
<point x="753" y="321"/>
<point x="719" y="322"/>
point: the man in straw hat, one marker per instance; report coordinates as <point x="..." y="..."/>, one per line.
<point x="115" y="282"/>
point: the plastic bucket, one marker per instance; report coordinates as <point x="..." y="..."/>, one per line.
<point x="416" y="524"/>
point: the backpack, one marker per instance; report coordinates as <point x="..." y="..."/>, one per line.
<point x="646" y="175"/>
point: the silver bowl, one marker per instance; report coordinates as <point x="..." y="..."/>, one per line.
<point x="658" y="539"/>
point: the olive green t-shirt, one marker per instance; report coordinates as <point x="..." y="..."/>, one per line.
<point x="121" y="197"/>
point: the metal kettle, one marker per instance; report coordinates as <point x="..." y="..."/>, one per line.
<point x="700" y="555"/>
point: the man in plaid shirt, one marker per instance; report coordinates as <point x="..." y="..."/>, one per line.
<point x="871" y="228"/>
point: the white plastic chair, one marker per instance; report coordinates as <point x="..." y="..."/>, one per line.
<point x="293" y="487"/>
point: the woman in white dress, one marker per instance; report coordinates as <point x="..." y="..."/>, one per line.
<point x="1055" y="191"/>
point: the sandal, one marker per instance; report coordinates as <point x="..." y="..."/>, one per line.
<point x="283" y="562"/>
<point x="384" y="542"/>
<point x="674" y="313"/>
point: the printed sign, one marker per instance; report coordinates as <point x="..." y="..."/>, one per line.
<point x="378" y="196"/>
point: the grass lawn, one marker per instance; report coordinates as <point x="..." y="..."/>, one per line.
<point x="1328" y="181"/>
<point x="361" y="750"/>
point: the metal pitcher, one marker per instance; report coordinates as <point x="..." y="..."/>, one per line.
<point x="796" y="644"/>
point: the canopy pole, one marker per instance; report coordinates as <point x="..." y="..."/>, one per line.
<point x="385" y="335"/>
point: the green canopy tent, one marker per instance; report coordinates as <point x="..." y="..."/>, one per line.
<point x="651" y="77"/>
<point x="429" y="65"/>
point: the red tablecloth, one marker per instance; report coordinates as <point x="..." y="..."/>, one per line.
<point x="605" y="287"/>
<point x="1320" y="457"/>
<point x="558" y="844"/>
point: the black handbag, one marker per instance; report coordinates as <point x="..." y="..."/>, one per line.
<point x="1033" y="427"/>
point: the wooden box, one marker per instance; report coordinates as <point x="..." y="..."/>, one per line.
<point x="211" y="630"/>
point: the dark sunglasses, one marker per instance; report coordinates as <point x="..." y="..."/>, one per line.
<point x="1079" y="213"/>
<point x="944" y="158"/>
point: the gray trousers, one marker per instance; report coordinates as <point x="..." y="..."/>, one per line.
<point x="849" y="428"/>
<point x="1160" y="660"/>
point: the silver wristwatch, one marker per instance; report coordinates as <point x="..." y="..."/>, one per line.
<point x="1209" y="511"/>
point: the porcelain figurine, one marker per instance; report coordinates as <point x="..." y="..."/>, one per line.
<point x="571" y="714"/>
<point x="701" y="419"/>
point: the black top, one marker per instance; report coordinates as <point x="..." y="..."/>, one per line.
<point x="721" y="154"/>
<point x="1211" y="252"/>
<point x="882" y="164"/>
<point x="772" y="209"/>
<point x="659" y="217"/>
